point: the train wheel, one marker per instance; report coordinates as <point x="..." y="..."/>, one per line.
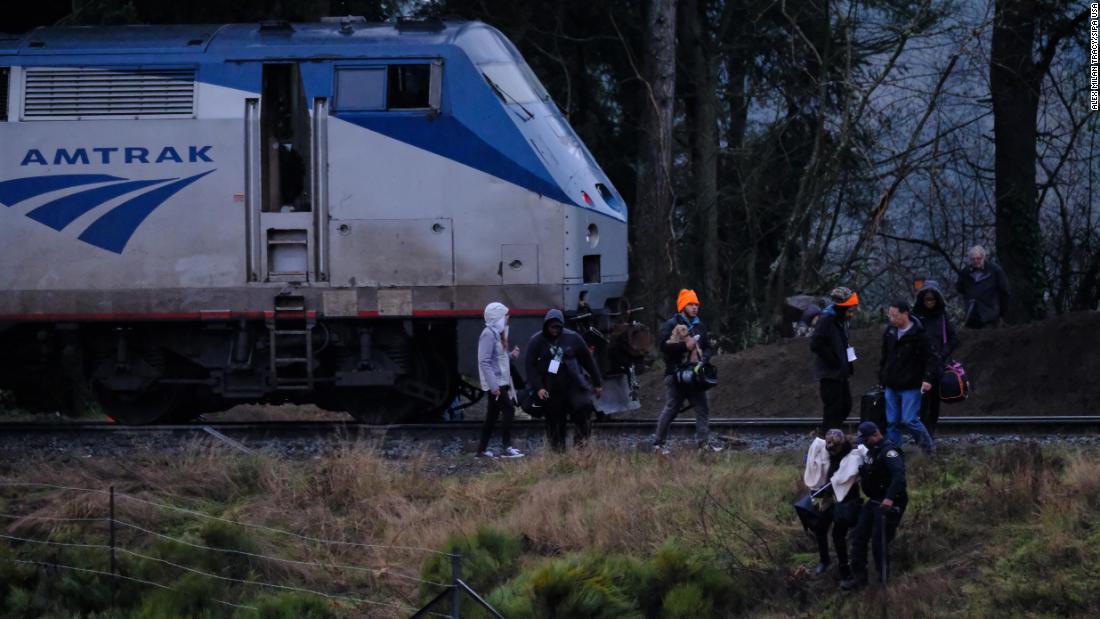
<point x="141" y="408"/>
<point x="374" y="405"/>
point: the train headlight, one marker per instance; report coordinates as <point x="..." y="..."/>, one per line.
<point x="592" y="237"/>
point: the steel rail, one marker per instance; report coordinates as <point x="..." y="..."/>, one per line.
<point x="1077" y="424"/>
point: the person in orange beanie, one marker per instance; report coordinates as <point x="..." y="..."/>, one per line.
<point x="834" y="358"/>
<point x="687" y="308"/>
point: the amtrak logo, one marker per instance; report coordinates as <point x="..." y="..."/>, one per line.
<point x="112" y="230"/>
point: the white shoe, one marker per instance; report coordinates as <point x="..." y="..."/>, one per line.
<point x="661" y="450"/>
<point x="485" y="454"/>
<point x="511" y="452"/>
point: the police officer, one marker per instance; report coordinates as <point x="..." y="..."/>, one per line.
<point x="882" y="478"/>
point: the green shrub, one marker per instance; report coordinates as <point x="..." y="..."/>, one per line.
<point x="288" y="606"/>
<point x="585" y="587"/>
<point x="191" y="597"/>
<point x="488" y="559"/>
<point x="686" y="601"/>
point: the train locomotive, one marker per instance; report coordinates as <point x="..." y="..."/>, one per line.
<point x="196" y="216"/>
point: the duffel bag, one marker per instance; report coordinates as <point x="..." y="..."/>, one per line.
<point x="954" y="385"/>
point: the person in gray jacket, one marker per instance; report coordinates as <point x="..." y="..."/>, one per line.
<point x="494" y="368"/>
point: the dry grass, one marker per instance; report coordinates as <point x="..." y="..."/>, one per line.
<point x="971" y="520"/>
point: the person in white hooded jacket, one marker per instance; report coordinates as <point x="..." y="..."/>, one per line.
<point x="494" y="369"/>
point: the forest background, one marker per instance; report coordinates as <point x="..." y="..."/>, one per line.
<point x="774" y="147"/>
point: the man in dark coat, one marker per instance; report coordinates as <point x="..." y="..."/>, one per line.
<point x="906" y="369"/>
<point x="555" y="359"/>
<point x="882" y="479"/>
<point x="943" y="338"/>
<point x="833" y="358"/>
<point x="687" y="314"/>
<point x="984" y="287"/>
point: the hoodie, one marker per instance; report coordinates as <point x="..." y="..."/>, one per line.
<point x="942" y="335"/>
<point x="492" y="359"/>
<point x="572" y="354"/>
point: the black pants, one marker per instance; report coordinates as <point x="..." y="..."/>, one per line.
<point x="501" y="406"/>
<point x="562" y="408"/>
<point x="869" y="528"/>
<point x="840" y="542"/>
<point x="836" y="398"/>
<point x="930" y="408"/>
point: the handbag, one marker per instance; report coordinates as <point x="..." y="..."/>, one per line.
<point x="698" y="376"/>
<point x="811" y="517"/>
<point x="954" y="384"/>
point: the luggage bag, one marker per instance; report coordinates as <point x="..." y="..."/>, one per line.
<point x="872" y="407"/>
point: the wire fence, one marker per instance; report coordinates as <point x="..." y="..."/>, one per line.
<point x="115" y="547"/>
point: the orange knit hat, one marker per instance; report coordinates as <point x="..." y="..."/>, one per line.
<point x="686" y="296"/>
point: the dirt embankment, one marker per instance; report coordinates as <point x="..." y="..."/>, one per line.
<point x="1045" y="368"/>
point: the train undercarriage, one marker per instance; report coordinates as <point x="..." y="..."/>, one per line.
<point x="140" y="373"/>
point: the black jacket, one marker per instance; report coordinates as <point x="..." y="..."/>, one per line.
<point x="907" y="362"/>
<point x="986" y="292"/>
<point x="574" y="356"/>
<point x="943" y="338"/>
<point x="674" y="353"/>
<point x="884" y="476"/>
<point x="829" y="344"/>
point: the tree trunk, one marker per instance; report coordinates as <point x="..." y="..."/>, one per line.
<point x="1014" y="86"/>
<point x="696" y="44"/>
<point x="653" y="256"/>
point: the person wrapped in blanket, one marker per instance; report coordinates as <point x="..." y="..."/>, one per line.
<point x="832" y="473"/>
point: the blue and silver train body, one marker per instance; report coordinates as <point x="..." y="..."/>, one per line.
<point x="200" y="215"/>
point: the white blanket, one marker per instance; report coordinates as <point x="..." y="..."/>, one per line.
<point x="817" y="465"/>
<point x="847" y="474"/>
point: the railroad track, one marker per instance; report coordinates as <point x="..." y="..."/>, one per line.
<point x="1062" y="424"/>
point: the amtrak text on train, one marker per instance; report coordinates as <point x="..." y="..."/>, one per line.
<point x="117" y="154"/>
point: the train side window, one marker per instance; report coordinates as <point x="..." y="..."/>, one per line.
<point x="361" y="89"/>
<point x="378" y="88"/>
<point x="408" y="87"/>
<point x="3" y="94"/>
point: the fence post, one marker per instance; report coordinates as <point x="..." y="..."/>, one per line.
<point x="114" y="566"/>
<point x="456" y="588"/>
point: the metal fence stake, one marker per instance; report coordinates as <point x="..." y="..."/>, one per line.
<point x="456" y="590"/>
<point x="114" y="564"/>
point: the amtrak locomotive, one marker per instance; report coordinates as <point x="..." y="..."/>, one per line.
<point x="195" y="216"/>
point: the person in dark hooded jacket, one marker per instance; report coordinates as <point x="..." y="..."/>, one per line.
<point x="943" y="338"/>
<point x="555" y="359"/>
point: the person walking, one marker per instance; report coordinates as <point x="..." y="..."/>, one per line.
<point x="882" y="479"/>
<point x="906" y="370"/>
<point x="984" y="287"/>
<point x="674" y="353"/>
<point x="494" y="369"/>
<point x="832" y="475"/>
<point x="943" y="339"/>
<point x="562" y="373"/>
<point x="834" y="358"/>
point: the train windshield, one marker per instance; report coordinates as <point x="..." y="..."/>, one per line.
<point x="502" y="66"/>
<point x="516" y="82"/>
